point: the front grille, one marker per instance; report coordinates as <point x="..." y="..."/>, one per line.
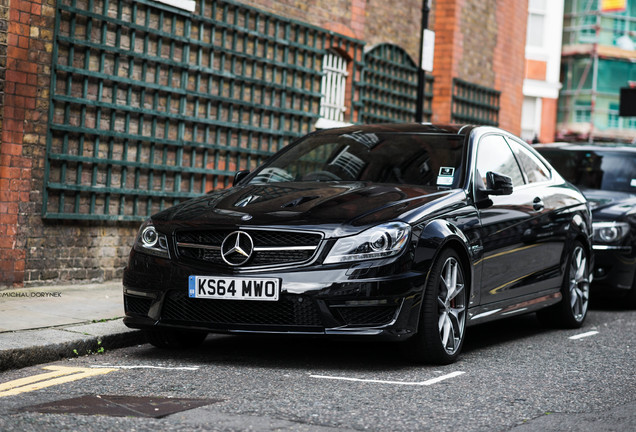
<point x="270" y="247"/>
<point x="137" y="305"/>
<point x="290" y="310"/>
<point x="367" y="315"/>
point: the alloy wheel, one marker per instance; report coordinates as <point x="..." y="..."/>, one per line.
<point x="579" y="285"/>
<point x="451" y="301"/>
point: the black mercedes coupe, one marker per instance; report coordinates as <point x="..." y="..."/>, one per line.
<point x="407" y="232"/>
<point x="606" y="174"/>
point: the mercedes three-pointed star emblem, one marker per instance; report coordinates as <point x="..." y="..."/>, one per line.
<point x="237" y="248"/>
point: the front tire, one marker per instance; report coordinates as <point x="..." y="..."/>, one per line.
<point x="442" y="324"/>
<point x="572" y="310"/>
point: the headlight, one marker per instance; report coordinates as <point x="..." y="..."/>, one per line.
<point x="378" y="242"/>
<point x="609" y="232"/>
<point x="149" y="241"/>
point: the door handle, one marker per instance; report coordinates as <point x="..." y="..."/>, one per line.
<point x="537" y="204"/>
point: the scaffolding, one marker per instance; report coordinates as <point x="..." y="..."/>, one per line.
<point x="598" y="58"/>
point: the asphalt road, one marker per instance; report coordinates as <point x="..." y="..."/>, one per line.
<point x="513" y="376"/>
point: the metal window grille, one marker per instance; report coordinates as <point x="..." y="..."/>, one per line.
<point x="390" y="86"/>
<point x="472" y="103"/>
<point x="333" y="87"/>
<point x="151" y="105"/>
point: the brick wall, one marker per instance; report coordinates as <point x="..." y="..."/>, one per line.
<point x="477" y="41"/>
<point x="19" y="118"/>
<point x="448" y="52"/>
<point x="33" y="251"/>
<point x="374" y="21"/>
<point x="482" y="42"/>
<point x="509" y="61"/>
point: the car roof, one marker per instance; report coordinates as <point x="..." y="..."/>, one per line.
<point x="606" y="146"/>
<point x="450" y="129"/>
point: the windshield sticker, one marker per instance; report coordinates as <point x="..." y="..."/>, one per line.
<point x="445" y="177"/>
<point x="633" y="183"/>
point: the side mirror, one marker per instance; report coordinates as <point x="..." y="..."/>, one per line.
<point x="240" y="175"/>
<point x="498" y="184"/>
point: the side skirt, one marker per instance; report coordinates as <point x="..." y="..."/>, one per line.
<point x="516" y="306"/>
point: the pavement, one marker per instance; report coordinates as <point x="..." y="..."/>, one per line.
<point x="49" y="323"/>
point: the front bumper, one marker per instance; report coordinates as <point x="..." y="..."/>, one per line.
<point x="350" y="300"/>
<point x="614" y="267"/>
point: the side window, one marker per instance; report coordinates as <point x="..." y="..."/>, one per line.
<point x="534" y="169"/>
<point x="493" y="154"/>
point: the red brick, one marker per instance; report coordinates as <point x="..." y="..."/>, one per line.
<point x="15" y="76"/>
<point x="14" y="14"/>
<point x="11" y="149"/>
<point x="36" y="9"/>
<point x="13" y="125"/>
<point x="17" y="53"/>
<point x="12" y="40"/>
<point x="29" y="103"/>
<point x="9" y="172"/>
<point x="22" y="5"/>
<point x="21" y="162"/>
<point x="24" y="185"/>
<point x="18" y="28"/>
<point x="9" y="219"/>
<point x="5" y="266"/>
<point x="26" y="90"/>
<point x="7" y="242"/>
<point x="19" y="268"/>
<point x="23" y="42"/>
<point x="32" y="79"/>
<point x="25" y="66"/>
<point x="25" y="17"/>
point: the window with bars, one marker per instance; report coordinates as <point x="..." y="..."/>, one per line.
<point x="333" y="87"/>
<point x="475" y="104"/>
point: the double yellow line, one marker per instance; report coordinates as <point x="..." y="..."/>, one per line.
<point x="59" y="375"/>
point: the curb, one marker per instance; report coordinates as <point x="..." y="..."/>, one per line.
<point x="31" y="347"/>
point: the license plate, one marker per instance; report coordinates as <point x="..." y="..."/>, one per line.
<point x="266" y="289"/>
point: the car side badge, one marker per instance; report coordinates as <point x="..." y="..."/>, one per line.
<point x="445" y="177"/>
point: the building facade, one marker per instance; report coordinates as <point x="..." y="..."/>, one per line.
<point x="598" y="58"/>
<point x="114" y="110"/>
<point x="542" y="70"/>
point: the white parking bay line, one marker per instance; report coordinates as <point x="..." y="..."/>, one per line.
<point x="189" y="368"/>
<point x="582" y="335"/>
<point x="375" y="381"/>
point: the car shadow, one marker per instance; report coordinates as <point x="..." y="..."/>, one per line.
<point x="285" y="352"/>
<point x="342" y="355"/>
<point x="609" y="303"/>
<point x="500" y="332"/>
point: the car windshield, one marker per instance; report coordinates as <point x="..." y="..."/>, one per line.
<point x="402" y="158"/>
<point x="599" y="169"/>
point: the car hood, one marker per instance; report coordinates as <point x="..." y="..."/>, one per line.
<point x="325" y="206"/>
<point x="610" y="204"/>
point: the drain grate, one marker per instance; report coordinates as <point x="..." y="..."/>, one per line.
<point x="120" y="406"/>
